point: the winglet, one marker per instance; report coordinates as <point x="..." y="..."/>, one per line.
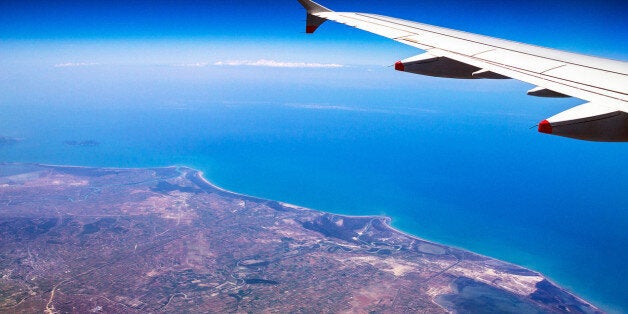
<point x="313" y="7"/>
<point x="313" y="21"/>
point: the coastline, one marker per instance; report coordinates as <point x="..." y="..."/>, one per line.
<point x="386" y="221"/>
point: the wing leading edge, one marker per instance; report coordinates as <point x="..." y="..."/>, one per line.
<point x="456" y="54"/>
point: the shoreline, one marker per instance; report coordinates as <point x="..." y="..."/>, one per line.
<point x="386" y="220"/>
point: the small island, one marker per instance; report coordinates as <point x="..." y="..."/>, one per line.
<point x="6" y="140"/>
<point x="93" y="240"/>
<point x="87" y="143"/>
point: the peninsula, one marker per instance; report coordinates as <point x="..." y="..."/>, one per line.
<point x="91" y="240"/>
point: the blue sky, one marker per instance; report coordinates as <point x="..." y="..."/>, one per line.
<point x="597" y="27"/>
<point x="203" y="33"/>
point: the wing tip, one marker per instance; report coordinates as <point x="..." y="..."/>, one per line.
<point x="313" y="7"/>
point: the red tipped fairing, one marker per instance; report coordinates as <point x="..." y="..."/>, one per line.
<point x="545" y="127"/>
<point x="399" y="66"/>
<point x="591" y="122"/>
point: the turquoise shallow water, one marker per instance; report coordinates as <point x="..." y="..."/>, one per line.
<point x="476" y="179"/>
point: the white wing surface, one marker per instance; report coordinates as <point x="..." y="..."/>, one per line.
<point x="603" y="83"/>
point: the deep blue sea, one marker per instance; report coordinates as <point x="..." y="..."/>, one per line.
<point x="456" y="165"/>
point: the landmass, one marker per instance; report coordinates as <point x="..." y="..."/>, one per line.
<point x="75" y="239"/>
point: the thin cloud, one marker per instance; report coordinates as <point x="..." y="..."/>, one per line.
<point x="277" y="64"/>
<point x="330" y="107"/>
<point x="192" y="65"/>
<point x="74" y="64"/>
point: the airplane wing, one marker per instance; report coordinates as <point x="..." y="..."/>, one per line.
<point x="603" y="83"/>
